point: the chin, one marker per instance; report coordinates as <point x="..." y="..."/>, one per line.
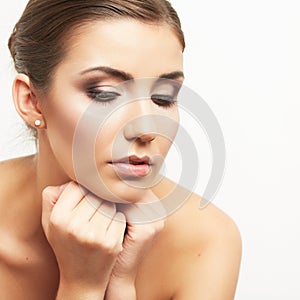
<point x="106" y="184"/>
<point x="126" y="192"/>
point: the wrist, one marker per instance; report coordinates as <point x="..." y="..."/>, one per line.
<point x="79" y="292"/>
<point x="121" y="288"/>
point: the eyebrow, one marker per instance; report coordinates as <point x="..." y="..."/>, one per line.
<point x="127" y="76"/>
<point x="172" y="75"/>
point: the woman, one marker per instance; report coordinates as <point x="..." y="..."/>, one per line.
<point x="68" y="234"/>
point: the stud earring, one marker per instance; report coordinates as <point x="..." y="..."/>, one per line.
<point x="37" y="123"/>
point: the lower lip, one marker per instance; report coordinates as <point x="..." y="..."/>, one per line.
<point x="130" y="170"/>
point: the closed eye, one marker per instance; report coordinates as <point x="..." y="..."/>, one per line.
<point x="102" y="96"/>
<point x="163" y="100"/>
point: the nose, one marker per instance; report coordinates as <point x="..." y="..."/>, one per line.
<point x="143" y="126"/>
<point x="138" y="131"/>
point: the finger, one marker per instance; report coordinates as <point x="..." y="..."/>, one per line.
<point x="146" y="212"/>
<point x="71" y="195"/>
<point x="102" y="218"/>
<point x="117" y="227"/>
<point x="86" y="208"/>
<point x="50" y="196"/>
<point x="107" y="209"/>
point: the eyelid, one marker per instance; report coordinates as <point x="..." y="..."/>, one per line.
<point x="103" y="87"/>
<point x="97" y="81"/>
<point x="103" y="94"/>
<point x="164" y="97"/>
<point x="167" y="84"/>
<point x="163" y="101"/>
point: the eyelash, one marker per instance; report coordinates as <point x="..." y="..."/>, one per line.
<point x="95" y="94"/>
<point x="165" y="101"/>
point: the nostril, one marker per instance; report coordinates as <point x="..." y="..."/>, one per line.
<point x="142" y="129"/>
<point x="146" y="138"/>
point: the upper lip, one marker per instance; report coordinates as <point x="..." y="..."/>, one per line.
<point x="135" y="160"/>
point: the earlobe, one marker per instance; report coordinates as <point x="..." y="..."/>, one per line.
<point x="26" y="102"/>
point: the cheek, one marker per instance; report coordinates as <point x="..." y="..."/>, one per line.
<point x="61" y="121"/>
<point x="170" y="125"/>
<point x="164" y="145"/>
<point x="109" y="127"/>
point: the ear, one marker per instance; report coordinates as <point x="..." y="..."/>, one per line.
<point x="26" y="102"/>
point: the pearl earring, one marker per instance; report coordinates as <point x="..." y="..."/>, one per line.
<point x="37" y="123"/>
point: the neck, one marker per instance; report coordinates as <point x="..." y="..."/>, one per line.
<point x="47" y="173"/>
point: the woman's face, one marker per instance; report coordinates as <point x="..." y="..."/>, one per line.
<point x="110" y="113"/>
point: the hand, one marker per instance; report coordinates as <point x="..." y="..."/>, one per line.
<point x="138" y="240"/>
<point x="86" y="242"/>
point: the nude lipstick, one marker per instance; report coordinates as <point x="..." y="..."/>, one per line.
<point x="132" y="166"/>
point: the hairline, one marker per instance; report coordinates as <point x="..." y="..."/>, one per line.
<point x="67" y="40"/>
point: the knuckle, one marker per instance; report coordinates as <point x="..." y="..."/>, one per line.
<point x="160" y="226"/>
<point x="112" y="247"/>
<point x="90" y="239"/>
<point x="75" y="187"/>
<point x="83" y="237"/>
<point x="73" y="229"/>
<point x="150" y="231"/>
<point x="72" y="185"/>
<point x="48" y="193"/>
<point x="55" y="222"/>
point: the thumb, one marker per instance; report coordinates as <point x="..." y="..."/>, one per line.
<point x="50" y="196"/>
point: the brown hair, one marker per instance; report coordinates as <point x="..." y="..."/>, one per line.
<point x="38" y="41"/>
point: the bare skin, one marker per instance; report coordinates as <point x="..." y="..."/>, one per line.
<point x="54" y="243"/>
<point x="196" y="255"/>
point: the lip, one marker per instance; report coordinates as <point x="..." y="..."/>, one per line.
<point x="132" y="166"/>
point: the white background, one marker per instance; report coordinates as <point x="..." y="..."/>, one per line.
<point x="243" y="58"/>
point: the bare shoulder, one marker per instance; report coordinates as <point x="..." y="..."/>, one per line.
<point x="206" y="225"/>
<point x="201" y="226"/>
<point x="209" y="245"/>
<point x="8" y="172"/>
<point x="9" y="169"/>
<point x="203" y="246"/>
<point x="18" y="162"/>
<point x="15" y="176"/>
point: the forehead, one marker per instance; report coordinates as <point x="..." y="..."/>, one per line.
<point x="144" y="50"/>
